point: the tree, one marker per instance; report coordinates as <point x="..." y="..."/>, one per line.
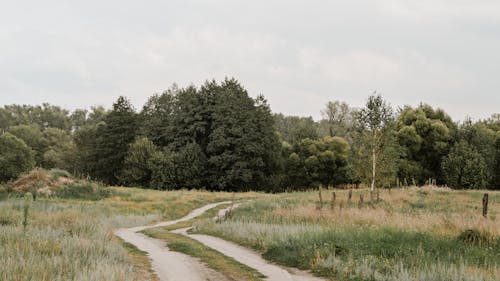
<point x="315" y="162"/>
<point x="33" y="137"/>
<point x="339" y="117"/>
<point x="162" y="169"/>
<point x="234" y="133"/>
<point x="375" y="120"/>
<point x="157" y="117"/>
<point x="15" y="157"/>
<point x="118" y="130"/>
<point x="190" y="166"/>
<point x="136" y="166"/>
<point x="243" y="147"/>
<point x="464" y="167"/>
<point x="61" y="150"/>
<point x="78" y="119"/>
<point x="293" y="129"/>
<point x="426" y="136"/>
<point x="482" y="138"/>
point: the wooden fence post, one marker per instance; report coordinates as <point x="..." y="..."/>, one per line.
<point x="485" y="205"/>
<point x="332" y="205"/>
<point x="349" y="196"/>
<point x="360" y="201"/>
<point x="320" y="206"/>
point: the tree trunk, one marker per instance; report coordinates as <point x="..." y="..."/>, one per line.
<point x="374" y="166"/>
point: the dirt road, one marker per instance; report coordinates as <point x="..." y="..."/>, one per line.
<point x="171" y="265"/>
<point x="249" y="257"/>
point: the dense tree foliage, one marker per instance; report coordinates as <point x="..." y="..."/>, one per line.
<point x="314" y="162"/>
<point x="60" y="150"/>
<point x="293" y="129"/>
<point x="33" y="137"/>
<point x="426" y="135"/>
<point x="112" y="139"/>
<point x="218" y="137"/>
<point x="44" y="116"/>
<point x="464" y="167"/>
<point x="137" y="169"/>
<point x="15" y="157"/>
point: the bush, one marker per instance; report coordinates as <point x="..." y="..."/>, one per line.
<point x="475" y="237"/>
<point x="83" y="190"/>
<point x="57" y="173"/>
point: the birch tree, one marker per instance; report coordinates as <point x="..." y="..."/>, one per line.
<point x="375" y="120"/>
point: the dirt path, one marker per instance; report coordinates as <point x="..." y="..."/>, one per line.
<point x="170" y="265"/>
<point x="248" y="257"/>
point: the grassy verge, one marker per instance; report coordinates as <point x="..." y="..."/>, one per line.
<point x="417" y="234"/>
<point x="141" y="260"/>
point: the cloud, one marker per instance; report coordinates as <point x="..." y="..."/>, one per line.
<point x="299" y="54"/>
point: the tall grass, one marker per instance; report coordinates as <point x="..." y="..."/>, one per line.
<point x="443" y="238"/>
<point x="72" y="238"/>
<point x="65" y="244"/>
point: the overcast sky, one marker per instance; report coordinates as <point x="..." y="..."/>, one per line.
<point x="298" y="54"/>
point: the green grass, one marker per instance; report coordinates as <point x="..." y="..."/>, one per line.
<point x="416" y="234"/>
<point x="213" y="259"/>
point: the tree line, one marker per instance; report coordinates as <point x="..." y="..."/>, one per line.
<point x="217" y="137"/>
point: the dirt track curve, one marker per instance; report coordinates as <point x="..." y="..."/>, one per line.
<point x="173" y="266"/>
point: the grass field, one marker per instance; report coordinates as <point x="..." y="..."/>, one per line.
<point x="71" y="238"/>
<point x="424" y="233"/>
<point x="411" y="234"/>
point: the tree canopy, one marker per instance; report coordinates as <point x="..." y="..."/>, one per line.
<point x="218" y="137"/>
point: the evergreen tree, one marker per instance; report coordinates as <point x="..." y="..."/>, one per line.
<point x="113" y="140"/>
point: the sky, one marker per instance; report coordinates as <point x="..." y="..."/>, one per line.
<point x="298" y="54"/>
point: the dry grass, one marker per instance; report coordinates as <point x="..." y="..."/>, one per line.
<point x="438" y="210"/>
<point x="415" y="234"/>
<point x="72" y="239"/>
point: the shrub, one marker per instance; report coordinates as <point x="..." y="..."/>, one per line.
<point x="83" y="190"/>
<point x="475" y="237"/>
<point x="57" y="173"/>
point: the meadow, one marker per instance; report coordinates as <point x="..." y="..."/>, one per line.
<point x="70" y="236"/>
<point x="418" y="233"/>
